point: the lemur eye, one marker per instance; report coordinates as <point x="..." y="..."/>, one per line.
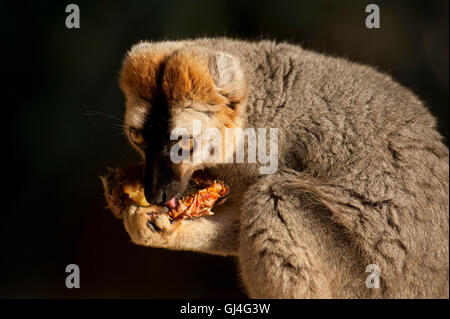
<point x="186" y="144"/>
<point x="136" y="137"/>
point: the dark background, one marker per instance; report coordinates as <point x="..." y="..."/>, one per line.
<point x="54" y="213"/>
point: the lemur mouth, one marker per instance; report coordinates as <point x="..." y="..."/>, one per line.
<point x="172" y="204"/>
<point x="193" y="188"/>
<point x="202" y="194"/>
<point x="124" y="187"/>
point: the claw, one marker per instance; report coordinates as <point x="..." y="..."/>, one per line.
<point x="153" y="227"/>
<point x="164" y="209"/>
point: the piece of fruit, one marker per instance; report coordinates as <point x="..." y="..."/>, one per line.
<point x="197" y="204"/>
<point x="136" y="194"/>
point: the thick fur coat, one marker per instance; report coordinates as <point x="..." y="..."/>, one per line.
<point x="363" y="175"/>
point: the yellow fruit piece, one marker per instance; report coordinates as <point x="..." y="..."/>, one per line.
<point x="136" y="194"/>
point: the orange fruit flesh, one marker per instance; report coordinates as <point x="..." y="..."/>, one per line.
<point x="195" y="205"/>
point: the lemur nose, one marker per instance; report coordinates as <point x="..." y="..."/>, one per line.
<point x="159" y="197"/>
<point x="156" y="197"/>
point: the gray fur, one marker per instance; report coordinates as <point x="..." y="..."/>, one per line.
<point x="362" y="179"/>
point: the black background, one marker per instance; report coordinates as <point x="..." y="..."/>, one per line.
<point x="54" y="208"/>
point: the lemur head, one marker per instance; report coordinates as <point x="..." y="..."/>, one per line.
<point x="171" y="89"/>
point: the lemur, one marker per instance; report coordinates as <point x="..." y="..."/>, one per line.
<point x="362" y="175"/>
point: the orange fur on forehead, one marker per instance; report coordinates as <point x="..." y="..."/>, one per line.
<point x="187" y="77"/>
<point x="178" y="75"/>
<point x="140" y="72"/>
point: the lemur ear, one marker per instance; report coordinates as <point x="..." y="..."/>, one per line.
<point x="227" y="74"/>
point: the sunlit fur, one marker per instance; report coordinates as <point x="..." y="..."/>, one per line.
<point x="363" y="173"/>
